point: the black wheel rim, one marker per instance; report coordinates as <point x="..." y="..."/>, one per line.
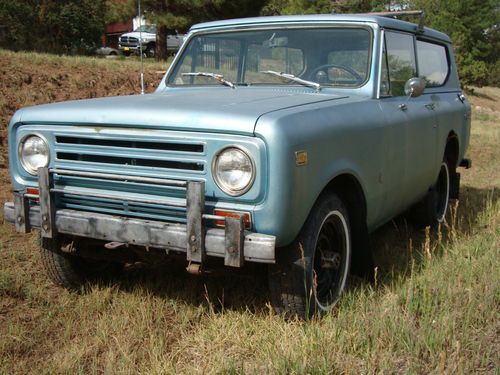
<point x="442" y="192"/>
<point x="330" y="261"/>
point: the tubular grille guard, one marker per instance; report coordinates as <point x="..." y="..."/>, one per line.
<point x="194" y="205"/>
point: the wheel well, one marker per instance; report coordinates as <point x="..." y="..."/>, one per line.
<point x="349" y="190"/>
<point x="451" y="150"/>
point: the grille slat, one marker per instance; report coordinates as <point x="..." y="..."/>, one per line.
<point x="126" y="152"/>
<point x="170" y="164"/>
<point x="163" y="146"/>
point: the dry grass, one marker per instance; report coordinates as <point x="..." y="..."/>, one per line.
<point x="433" y="309"/>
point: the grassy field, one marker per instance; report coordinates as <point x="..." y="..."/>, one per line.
<point x="434" y="307"/>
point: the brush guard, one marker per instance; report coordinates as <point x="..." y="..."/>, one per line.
<point x="235" y="244"/>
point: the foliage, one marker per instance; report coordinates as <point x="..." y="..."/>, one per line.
<point x="68" y="26"/>
<point x="180" y="14"/>
<point x="473" y="26"/>
<point x="60" y="26"/>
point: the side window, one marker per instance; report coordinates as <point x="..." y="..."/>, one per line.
<point x="400" y="60"/>
<point x="433" y="63"/>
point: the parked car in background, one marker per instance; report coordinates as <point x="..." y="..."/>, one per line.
<point x="279" y="140"/>
<point x="129" y="43"/>
<point x="107" y="51"/>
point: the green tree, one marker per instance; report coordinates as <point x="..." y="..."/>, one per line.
<point x="180" y="14"/>
<point x="61" y="26"/>
<point x="15" y="18"/>
<point x="473" y="28"/>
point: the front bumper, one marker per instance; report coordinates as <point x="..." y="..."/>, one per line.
<point x="233" y="243"/>
<point x="126" y="48"/>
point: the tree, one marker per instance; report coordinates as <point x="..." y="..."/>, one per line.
<point x="61" y="26"/>
<point x="14" y="16"/>
<point x="473" y="28"/>
<point x="180" y="14"/>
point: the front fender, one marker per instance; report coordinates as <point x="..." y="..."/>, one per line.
<point x="333" y="148"/>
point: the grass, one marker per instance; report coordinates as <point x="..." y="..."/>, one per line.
<point x="434" y="307"/>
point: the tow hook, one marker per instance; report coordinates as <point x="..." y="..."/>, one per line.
<point x="194" y="268"/>
<point x="114" y="245"/>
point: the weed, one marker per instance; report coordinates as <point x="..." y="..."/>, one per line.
<point x="433" y="309"/>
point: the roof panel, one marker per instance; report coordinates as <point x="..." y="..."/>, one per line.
<point x="385" y="22"/>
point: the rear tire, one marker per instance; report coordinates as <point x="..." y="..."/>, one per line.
<point x="311" y="273"/>
<point x="432" y="210"/>
<point x="71" y="271"/>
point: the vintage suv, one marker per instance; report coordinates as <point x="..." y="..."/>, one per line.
<point x="281" y="140"/>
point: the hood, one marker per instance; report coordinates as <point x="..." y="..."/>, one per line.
<point x="214" y="109"/>
<point x="136" y="34"/>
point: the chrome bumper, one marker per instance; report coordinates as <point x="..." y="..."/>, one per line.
<point x="233" y="243"/>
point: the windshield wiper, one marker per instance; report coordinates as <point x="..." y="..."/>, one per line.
<point x="218" y="77"/>
<point x="291" y="77"/>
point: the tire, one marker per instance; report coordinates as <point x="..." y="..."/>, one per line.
<point x="151" y="50"/>
<point x="432" y="210"/>
<point x="72" y="271"/>
<point x="311" y="273"/>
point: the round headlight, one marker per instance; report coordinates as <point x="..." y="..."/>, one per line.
<point x="234" y="171"/>
<point x="33" y="153"/>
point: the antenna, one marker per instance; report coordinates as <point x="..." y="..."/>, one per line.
<point x="140" y="47"/>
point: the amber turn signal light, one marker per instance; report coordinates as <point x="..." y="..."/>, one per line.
<point x="236" y="214"/>
<point x="33" y="191"/>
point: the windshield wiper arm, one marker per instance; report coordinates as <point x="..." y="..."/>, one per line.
<point x="218" y="77"/>
<point x="291" y="77"/>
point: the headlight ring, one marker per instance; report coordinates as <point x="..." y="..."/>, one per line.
<point x="233" y="170"/>
<point x="33" y="153"/>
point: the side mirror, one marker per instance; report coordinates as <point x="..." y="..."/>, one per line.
<point x="414" y="87"/>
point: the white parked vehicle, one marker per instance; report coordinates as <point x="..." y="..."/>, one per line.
<point x="129" y="43"/>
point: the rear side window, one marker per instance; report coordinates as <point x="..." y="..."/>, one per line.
<point x="433" y="65"/>
<point x="401" y="64"/>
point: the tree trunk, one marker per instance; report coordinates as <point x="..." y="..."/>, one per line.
<point x="161" y="42"/>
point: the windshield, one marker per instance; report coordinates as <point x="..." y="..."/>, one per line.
<point x="335" y="57"/>
<point x="147" y="29"/>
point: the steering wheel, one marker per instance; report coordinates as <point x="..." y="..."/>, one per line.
<point x="325" y="67"/>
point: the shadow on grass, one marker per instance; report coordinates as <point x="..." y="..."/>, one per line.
<point x="397" y="247"/>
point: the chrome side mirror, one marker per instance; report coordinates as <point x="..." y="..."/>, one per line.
<point x="414" y="87"/>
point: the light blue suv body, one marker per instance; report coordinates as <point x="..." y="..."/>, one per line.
<point x="358" y="134"/>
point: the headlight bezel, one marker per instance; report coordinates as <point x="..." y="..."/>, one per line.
<point x="227" y="190"/>
<point x="26" y="167"/>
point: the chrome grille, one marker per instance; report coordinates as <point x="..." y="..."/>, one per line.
<point x="160" y="155"/>
<point x="142" y="159"/>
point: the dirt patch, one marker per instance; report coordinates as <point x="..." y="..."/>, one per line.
<point x="29" y="79"/>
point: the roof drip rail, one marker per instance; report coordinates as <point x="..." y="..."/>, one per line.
<point x="395" y="14"/>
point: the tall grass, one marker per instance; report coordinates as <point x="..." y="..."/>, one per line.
<point x="434" y="307"/>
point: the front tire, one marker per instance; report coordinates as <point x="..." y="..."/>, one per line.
<point x="70" y="271"/>
<point x="311" y="273"/>
<point x="151" y="50"/>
